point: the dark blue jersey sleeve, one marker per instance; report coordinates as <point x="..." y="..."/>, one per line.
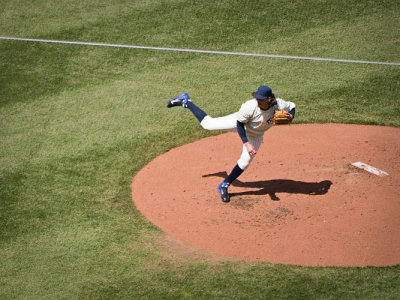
<point x="292" y="112"/>
<point x="242" y="131"/>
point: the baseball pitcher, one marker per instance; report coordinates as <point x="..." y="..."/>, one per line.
<point x="255" y="117"/>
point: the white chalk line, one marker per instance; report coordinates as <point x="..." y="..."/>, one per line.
<point x="370" y="169"/>
<point x="201" y="51"/>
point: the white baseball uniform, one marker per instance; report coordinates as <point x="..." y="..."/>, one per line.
<point x="256" y="121"/>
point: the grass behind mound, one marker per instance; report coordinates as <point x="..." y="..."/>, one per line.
<point x="78" y="122"/>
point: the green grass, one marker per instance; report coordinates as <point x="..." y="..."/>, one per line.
<point x="78" y="122"/>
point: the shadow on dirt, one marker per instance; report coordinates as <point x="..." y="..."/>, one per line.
<point x="272" y="187"/>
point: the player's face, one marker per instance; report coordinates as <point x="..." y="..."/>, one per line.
<point x="264" y="104"/>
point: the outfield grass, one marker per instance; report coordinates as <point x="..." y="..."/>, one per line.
<point x="78" y="122"/>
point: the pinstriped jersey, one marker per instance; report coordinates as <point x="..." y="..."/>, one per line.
<point x="256" y="120"/>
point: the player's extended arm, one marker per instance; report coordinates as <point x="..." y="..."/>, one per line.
<point x="242" y="133"/>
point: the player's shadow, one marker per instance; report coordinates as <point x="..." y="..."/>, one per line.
<point x="272" y="187"/>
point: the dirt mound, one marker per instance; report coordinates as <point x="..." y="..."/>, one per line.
<point x="300" y="202"/>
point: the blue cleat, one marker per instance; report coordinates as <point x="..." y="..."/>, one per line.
<point x="223" y="191"/>
<point x="181" y="100"/>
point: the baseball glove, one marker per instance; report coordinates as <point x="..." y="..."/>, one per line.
<point x="282" y="117"/>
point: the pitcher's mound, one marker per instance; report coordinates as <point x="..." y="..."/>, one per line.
<point x="300" y="202"/>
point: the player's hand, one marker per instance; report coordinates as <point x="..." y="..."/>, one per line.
<point x="250" y="148"/>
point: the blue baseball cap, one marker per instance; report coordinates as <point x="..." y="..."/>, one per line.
<point x="263" y="92"/>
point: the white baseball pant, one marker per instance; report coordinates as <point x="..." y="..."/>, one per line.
<point x="228" y="123"/>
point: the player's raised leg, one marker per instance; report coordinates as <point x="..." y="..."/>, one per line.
<point x="207" y="122"/>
